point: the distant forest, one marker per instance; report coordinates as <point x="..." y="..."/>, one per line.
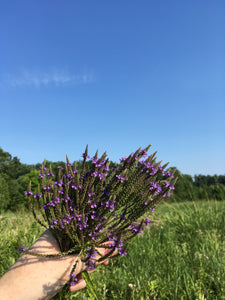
<point x="15" y="177"/>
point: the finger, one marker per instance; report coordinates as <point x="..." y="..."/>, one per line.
<point x="103" y="253"/>
<point x="81" y="283"/>
<point x="106" y="262"/>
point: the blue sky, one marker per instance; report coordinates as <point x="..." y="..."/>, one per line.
<point x="115" y="75"/>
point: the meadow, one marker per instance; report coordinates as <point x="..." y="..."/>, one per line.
<point x="181" y="255"/>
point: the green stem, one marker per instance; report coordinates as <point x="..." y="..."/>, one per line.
<point x="90" y="286"/>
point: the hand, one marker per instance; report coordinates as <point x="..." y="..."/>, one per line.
<point x="33" y="277"/>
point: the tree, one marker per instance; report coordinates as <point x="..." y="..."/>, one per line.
<point x="184" y="188"/>
<point x="19" y="199"/>
<point x="4" y="193"/>
<point x="5" y="159"/>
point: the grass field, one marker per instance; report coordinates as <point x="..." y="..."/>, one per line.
<point x="180" y="256"/>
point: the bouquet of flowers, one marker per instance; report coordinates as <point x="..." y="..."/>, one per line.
<point x="99" y="206"/>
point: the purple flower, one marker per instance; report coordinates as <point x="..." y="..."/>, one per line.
<point x="38" y="196"/>
<point x="46" y="206"/>
<point x="53" y="223"/>
<point x="168" y="174"/>
<point x="167" y="184"/>
<point x="28" y="193"/>
<point x="161" y="168"/>
<point x="69" y="176"/>
<point x="97" y="162"/>
<point x="85" y="155"/>
<point x="50" y="174"/>
<point x="94" y="160"/>
<point x="93" y="205"/>
<point x="100" y="164"/>
<point x="71" y="208"/>
<point x="123" y="158"/>
<point x="47" y="188"/>
<point x="134" y="227"/>
<point x="143" y="153"/>
<point x="91" y="194"/>
<point x="58" y="183"/>
<point x="41" y="175"/>
<point x="147" y="221"/>
<point x="106" y="168"/>
<point x="76" y="186"/>
<point x="95" y="173"/>
<point x="40" y="168"/>
<point x="153" y="185"/>
<point x="73" y="279"/>
<point x="153" y="172"/>
<point x="57" y="200"/>
<point x="121" y="178"/>
<point x="67" y="199"/>
<point x="91" y="264"/>
<point x="22" y="249"/>
<point x="100" y="175"/>
<point x="122" y="252"/>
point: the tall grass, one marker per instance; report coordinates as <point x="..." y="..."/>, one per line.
<point x="15" y="227"/>
<point x="180" y="256"/>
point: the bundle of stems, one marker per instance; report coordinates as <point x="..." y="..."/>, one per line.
<point x="99" y="206"/>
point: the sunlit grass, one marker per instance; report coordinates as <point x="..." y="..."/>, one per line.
<point x="16" y="227"/>
<point x="180" y="256"/>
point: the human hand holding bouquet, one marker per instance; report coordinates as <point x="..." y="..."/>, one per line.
<point x="39" y="277"/>
<point x="99" y="207"/>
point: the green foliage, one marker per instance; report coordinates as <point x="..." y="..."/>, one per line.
<point x="185" y="189"/>
<point x="11" y="173"/>
<point x="4" y="192"/>
<point x="5" y="160"/>
<point x="23" y="182"/>
<point x="217" y="191"/>
<point x="11" y="166"/>
<point x="207" y="180"/>
<point x="201" y="187"/>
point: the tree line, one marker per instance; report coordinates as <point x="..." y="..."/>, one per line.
<point x="15" y="177"/>
<point x="199" y="187"/>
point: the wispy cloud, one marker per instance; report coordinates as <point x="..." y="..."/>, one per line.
<point x="36" y="79"/>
